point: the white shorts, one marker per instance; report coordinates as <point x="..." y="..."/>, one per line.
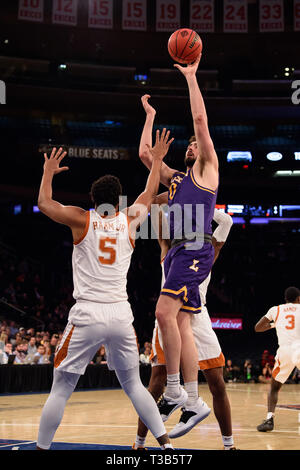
<point x="209" y="350"/>
<point x="113" y="328"/>
<point x="286" y="359"/>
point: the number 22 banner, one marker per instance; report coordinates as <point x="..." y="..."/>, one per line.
<point x="235" y="16"/>
<point x="271" y="16"/>
<point x="202" y="17"/>
<point x="65" y="12"/>
<point x="31" y="10"/>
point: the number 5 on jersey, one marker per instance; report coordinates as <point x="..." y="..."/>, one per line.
<point x="108" y="250"/>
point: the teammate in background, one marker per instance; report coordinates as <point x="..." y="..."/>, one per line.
<point x="211" y="359"/>
<point x="103" y="245"/>
<point x="286" y="319"/>
<point x="188" y="262"/>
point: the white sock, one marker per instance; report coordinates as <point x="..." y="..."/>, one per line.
<point x="173" y="385"/>
<point x="168" y="445"/>
<point x="227" y="441"/>
<point x="192" y="391"/>
<point x="270" y="415"/>
<point x="140" y="441"/>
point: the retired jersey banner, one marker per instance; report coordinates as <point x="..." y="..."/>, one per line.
<point x="134" y="15"/>
<point x="202" y="16"/>
<point x="296" y="15"/>
<point x="167" y="15"/>
<point x="100" y="14"/>
<point x="65" y="12"/>
<point x="271" y="16"/>
<point x="31" y="10"/>
<point x="235" y="16"/>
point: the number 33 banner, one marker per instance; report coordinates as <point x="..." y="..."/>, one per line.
<point x="235" y="16"/>
<point x="271" y="16"/>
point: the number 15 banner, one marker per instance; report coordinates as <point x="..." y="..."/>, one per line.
<point x="134" y="15"/>
<point x="235" y="16"/>
<point x="271" y="16"/>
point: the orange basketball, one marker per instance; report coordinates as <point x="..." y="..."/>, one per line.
<point x="185" y="46"/>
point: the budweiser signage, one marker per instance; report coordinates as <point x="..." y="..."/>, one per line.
<point x="227" y="323"/>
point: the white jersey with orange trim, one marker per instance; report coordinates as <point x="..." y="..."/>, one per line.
<point x="286" y="318"/>
<point x="101" y="259"/>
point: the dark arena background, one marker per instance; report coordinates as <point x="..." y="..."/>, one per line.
<point x="72" y="74"/>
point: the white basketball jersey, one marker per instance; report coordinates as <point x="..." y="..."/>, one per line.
<point x="287" y="322"/>
<point x="101" y="259"/>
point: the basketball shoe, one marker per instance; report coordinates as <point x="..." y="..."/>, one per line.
<point x="189" y="418"/>
<point x="266" y="425"/>
<point x="168" y="405"/>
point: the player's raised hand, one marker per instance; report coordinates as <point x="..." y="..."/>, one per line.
<point x="52" y="163"/>
<point x="190" y="69"/>
<point x="162" y="144"/>
<point x="147" y="107"/>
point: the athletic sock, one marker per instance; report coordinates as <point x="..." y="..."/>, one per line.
<point x="173" y="386"/>
<point x="192" y="391"/>
<point x="168" y="445"/>
<point x="140" y="441"/>
<point x="270" y="415"/>
<point x="227" y="441"/>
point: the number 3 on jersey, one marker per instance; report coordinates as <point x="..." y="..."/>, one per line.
<point x="291" y="322"/>
<point x="106" y="248"/>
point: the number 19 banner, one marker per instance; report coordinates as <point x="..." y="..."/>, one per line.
<point x="235" y="16"/>
<point x="167" y="15"/>
<point x="271" y="16"/>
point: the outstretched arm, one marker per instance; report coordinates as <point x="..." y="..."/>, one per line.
<point x="221" y="233"/>
<point x="73" y="217"/>
<point x="264" y="324"/>
<point x="207" y="160"/>
<point x="166" y="172"/>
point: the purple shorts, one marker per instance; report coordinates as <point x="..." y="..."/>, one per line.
<point x="184" y="271"/>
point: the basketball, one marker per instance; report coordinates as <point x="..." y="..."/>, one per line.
<point x="185" y="46"/>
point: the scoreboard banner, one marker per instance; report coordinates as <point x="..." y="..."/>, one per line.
<point x="65" y="12"/>
<point x="296" y="15"/>
<point x="167" y="15"/>
<point x="31" y="10"/>
<point x="271" y="16"/>
<point x="202" y="16"/>
<point x="235" y="16"/>
<point x="134" y="15"/>
<point x="100" y="14"/>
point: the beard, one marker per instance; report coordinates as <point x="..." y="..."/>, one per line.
<point x="189" y="161"/>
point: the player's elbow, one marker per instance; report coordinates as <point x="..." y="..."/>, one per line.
<point x="200" y="119"/>
<point x="145" y="158"/>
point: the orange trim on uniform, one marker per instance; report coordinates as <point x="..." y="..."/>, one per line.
<point x="161" y="361"/>
<point x="162" y="260"/>
<point x="212" y="363"/>
<point x="277" y="314"/>
<point x="130" y="239"/>
<point x="276" y="370"/>
<point x="86" y="228"/>
<point x="63" y="351"/>
<point x="198" y="185"/>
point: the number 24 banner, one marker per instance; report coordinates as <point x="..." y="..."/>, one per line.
<point x="235" y="16"/>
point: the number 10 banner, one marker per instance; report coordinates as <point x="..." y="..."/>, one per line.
<point x="271" y="16"/>
<point x="235" y="16"/>
<point x="31" y="10"/>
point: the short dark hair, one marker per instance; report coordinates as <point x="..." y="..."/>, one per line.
<point x="106" y="190"/>
<point x="291" y="294"/>
<point x="192" y="139"/>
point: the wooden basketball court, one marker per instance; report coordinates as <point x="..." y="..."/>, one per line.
<point x="107" y="417"/>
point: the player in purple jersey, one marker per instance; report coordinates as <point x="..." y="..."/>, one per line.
<point x="188" y="262"/>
